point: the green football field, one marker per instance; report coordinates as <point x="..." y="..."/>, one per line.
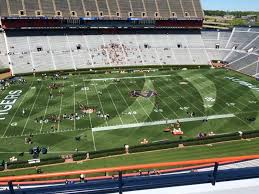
<point x="46" y="109"/>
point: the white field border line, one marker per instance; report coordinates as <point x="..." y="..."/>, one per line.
<point x="90" y="119"/>
<point x="31" y="109"/>
<point x="17" y="110"/>
<point x="46" y="109"/>
<point x="139" y="102"/>
<point x="134" y="125"/>
<point x="138" y="77"/>
<point x="114" y="105"/>
<point x="126" y="103"/>
<point x="100" y="103"/>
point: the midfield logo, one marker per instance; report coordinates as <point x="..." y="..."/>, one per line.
<point x="145" y="94"/>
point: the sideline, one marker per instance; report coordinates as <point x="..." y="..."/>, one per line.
<point x="115" y="156"/>
<point x="138" y="77"/>
<point x="163" y="122"/>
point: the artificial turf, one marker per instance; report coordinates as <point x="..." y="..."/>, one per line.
<point x="203" y="91"/>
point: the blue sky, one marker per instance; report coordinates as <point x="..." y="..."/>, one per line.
<point x="240" y="5"/>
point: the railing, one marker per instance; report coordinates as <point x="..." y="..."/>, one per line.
<point x="187" y="165"/>
<point x="128" y="168"/>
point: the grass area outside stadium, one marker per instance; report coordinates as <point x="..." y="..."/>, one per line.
<point x="205" y="92"/>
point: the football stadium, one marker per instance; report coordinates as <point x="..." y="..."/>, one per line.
<point x="124" y="95"/>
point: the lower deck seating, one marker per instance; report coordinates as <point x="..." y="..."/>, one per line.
<point x="50" y="51"/>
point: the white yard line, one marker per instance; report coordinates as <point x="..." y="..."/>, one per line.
<point x="60" y="106"/>
<point x="139" y="103"/>
<point x="164" y="102"/>
<point x="126" y="103"/>
<point x="184" y="98"/>
<point x="154" y="103"/>
<point x="87" y="102"/>
<point x="16" y="111"/>
<point x="31" y="110"/>
<point x="74" y="105"/>
<point x="234" y="94"/>
<point x="100" y="102"/>
<point x="46" y="109"/>
<point x="163" y="122"/>
<point x="235" y="108"/>
<point x="90" y="119"/>
<point x="121" y="78"/>
<point x="115" y="106"/>
<point x="172" y="100"/>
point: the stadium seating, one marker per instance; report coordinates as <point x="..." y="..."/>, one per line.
<point x="44" y="53"/>
<point x="3" y="53"/>
<point x="70" y="50"/>
<point x="240" y="39"/>
<point x="103" y="8"/>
